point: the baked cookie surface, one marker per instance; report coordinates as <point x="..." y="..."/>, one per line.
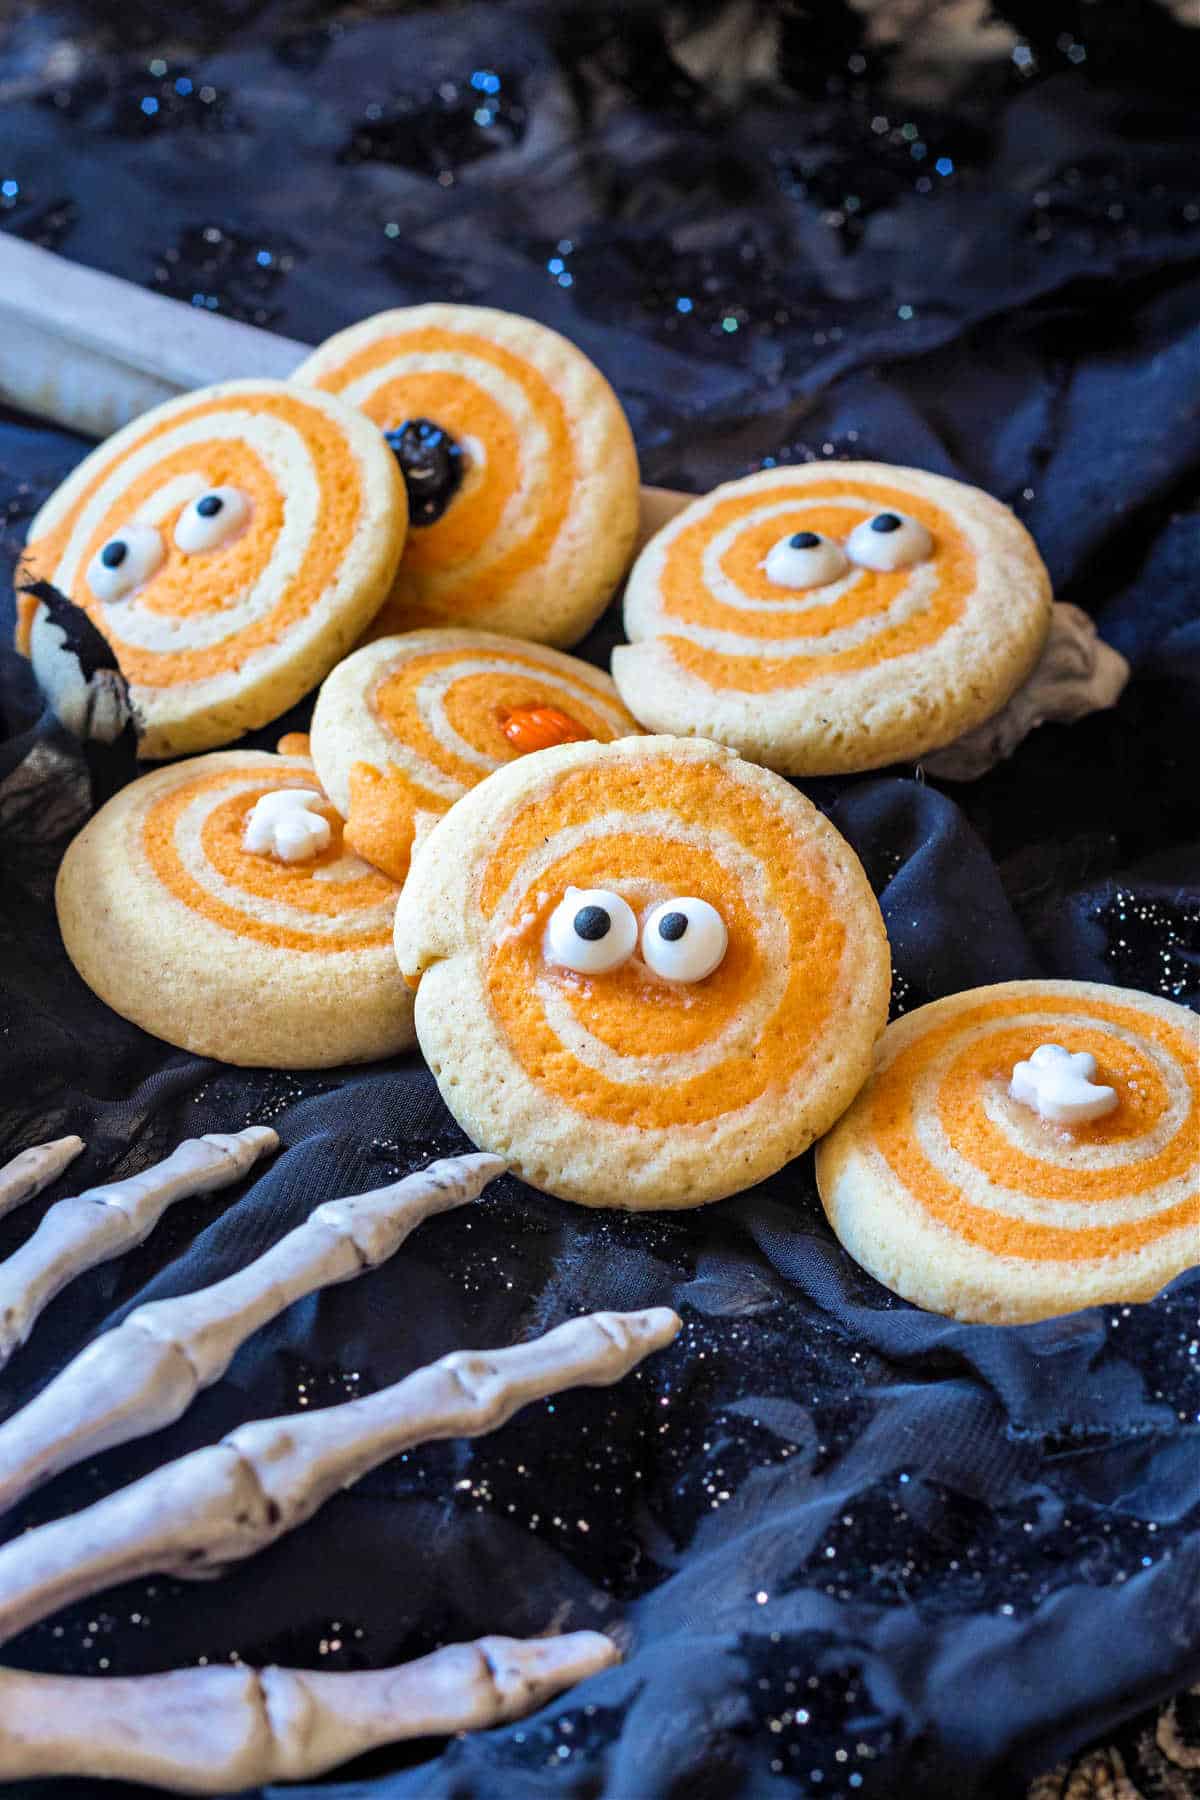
<point x="278" y="954"/>
<point x="1023" y="1150"/>
<point x="404" y="726"/>
<point x="520" y="464"/>
<point x="230" y="545"/>
<point x="648" y="972"/>
<point x="832" y="617"/>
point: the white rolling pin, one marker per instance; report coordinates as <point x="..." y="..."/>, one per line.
<point x="91" y="352"/>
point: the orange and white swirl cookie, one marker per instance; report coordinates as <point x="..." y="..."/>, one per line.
<point x="833" y="616"/>
<point x="1023" y="1150"/>
<point x="521" y="469"/>
<point x="230" y="545"/>
<point x="214" y="904"/>
<point x="407" y="724"/>
<point x="648" y="973"/>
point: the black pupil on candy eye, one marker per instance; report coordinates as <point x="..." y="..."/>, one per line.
<point x="800" y="540"/>
<point x="672" y="926"/>
<point x="885" y="522"/>
<point x="114" y="554"/>
<point x="210" y="506"/>
<point x="431" y="463"/>
<point x="592" y="923"/>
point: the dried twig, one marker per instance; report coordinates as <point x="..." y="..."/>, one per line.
<point x="92" y="1227"/>
<point x="219" y="1730"/>
<point x="146" y="1373"/>
<point x="231" y="1499"/>
<point x="34" y="1169"/>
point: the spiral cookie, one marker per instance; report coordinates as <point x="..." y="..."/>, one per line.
<point x="1023" y="1150"/>
<point x="230" y="546"/>
<point x="647" y="972"/>
<point x="521" y="470"/>
<point x="407" y="724"/>
<point x="213" y="903"/>
<point x="833" y="617"/>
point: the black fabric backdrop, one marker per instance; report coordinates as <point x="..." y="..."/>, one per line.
<point x="850" y="1548"/>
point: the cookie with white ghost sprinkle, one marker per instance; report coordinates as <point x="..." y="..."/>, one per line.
<point x="521" y="469"/>
<point x="404" y="726"/>
<point x="648" y="972"/>
<point x="214" y="903"/>
<point x="833" y="617"/>
<point x="230" y="545"/>
<point x="1023" y="1150"/>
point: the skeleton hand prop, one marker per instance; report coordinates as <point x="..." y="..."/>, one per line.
<point x="146" y="1373"/>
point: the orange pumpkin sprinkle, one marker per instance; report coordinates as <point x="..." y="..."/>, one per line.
<point x="530" y="728"/>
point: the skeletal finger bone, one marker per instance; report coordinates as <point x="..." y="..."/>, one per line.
<point x="219" y="1730"/>
<point x="143" y="1375"/>
<point x="232" y="1498"/>
<point x="92" y="1227"/>
<point x="34" y="1169"/>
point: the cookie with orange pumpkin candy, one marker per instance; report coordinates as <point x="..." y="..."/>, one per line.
<point x="214" y="903"/>
<point x="1023" y="1150"/>
<point x="404" y="726"/>
<point x="229" y="546"/>
<point x="832" y="617"/>
<point x="520" y="465"/>
<point x="647" y="972"/>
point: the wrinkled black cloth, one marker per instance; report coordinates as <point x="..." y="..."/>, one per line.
<point x="849" y="1548"/>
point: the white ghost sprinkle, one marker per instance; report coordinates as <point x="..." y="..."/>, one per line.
<point x="1059" y="1085"/>
<point x="284" y="823"/>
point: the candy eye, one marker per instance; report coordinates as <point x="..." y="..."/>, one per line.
<point x="211" y="518"/>
<point x="684" y="940"/>
<point x="125" y="562"/>
<point x="806" y="559"/>
<point x="890" y="540"/>
<point x="591" y="931"/>
<point x="431" y="462"/>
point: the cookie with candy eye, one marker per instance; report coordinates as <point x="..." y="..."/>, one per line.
<point x="230" y="546"/>
<point x="215" y="904"/>
<point x="648" y="972"/>
<point x="404" y="726"/>
<point x="521" y="470"/>
<point x="833" y="616"/>
<point x="1023" y="1150"/>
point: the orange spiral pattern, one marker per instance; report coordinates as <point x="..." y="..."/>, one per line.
<point x="324" y="905"/>
<point x="949" y="1155"/>
<point x="542" y="522"/>
<point x="692" y="606"/>
<point x="429" y="714"/>
<point x="191" y="587"/>
<point x="862" y="668"/>
<point x="622" y="1087"/>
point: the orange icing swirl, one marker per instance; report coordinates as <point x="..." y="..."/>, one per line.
<point x="983" y="1065"/>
